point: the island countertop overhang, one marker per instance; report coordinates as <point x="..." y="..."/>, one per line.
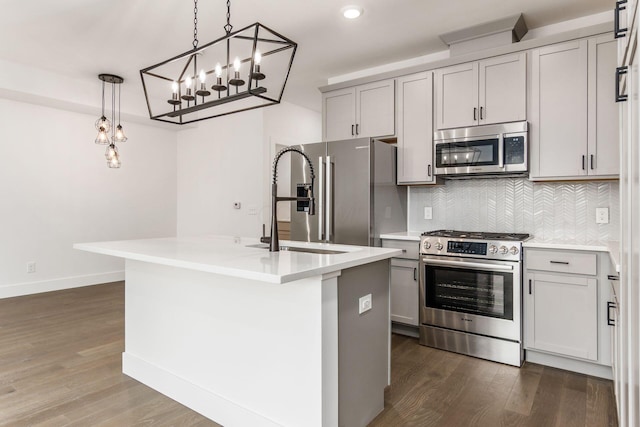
<point x="234" y="256"/>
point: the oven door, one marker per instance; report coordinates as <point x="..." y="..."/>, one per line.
<point x="471" y="295"/>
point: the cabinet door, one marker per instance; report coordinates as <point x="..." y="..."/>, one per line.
<point x="503" y="89"/>
<point x="375" y="109"/>
<point x="604" y="152"/>
<point x="404" y="291"/>
<point x="457" y="96"/>
<point x="339" y="107"/>
<point x="562" y="315"/>
<point x="559" y="110"/>
<point x="415" y="129"/>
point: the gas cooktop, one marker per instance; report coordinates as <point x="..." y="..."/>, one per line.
<point x="477" y="235"/>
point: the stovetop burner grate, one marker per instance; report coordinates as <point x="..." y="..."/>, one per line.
<point x="456" y="234"/>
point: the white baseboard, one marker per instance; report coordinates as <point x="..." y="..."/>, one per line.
<point x="20" y="289"/>
<point x="203" y="401"/>
<point x="568" y="364"/>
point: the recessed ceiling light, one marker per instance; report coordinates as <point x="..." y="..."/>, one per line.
<point x="351" y="12"/>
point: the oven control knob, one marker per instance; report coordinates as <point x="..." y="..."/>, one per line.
<point x="439" y="246"/>
<point x="503" y="250"/>
<point x="426" y="245"/>
<point x="514" y="250"/>
<point x="493" y="249"/>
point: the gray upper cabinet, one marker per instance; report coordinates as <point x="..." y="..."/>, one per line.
<point x="415" y="129"/>
<point x="361" y="111"/>
<point x="573" y="113"/>
<point x="490" y="91"/>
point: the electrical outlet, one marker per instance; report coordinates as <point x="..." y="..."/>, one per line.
<point x="31" y="267"/>
<point x="236" y="205"/>
<point x="428" y="212"/>
<point x="602" y="215"/>
<point x="364" y="304"/>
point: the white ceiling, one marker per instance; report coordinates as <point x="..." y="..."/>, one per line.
<point x="82" y="38"/>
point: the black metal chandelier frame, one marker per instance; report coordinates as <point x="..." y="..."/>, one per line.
<point x="197" y="101"/>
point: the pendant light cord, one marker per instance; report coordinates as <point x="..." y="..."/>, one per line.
<point x="113" y="111"/>
<point x="103" y="98"/>
<point x="195" y="24"/>
<point x="119" y="104"/>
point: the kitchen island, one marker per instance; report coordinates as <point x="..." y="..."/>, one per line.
<point x="249" y="337"/>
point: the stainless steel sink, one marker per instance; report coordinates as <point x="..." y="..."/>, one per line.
<point x="297" y="249"/>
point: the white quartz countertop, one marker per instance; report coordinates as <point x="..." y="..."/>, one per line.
<point x="232" y="256"/>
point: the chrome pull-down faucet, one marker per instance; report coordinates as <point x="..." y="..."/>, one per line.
<point x="274" y="243"/>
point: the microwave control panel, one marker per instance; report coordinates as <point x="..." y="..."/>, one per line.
<point x="514" y="150"/>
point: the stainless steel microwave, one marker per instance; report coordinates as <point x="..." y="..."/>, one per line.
<point x="482" y="150"/>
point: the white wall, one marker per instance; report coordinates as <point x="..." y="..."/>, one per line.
<point x="227" y="160"/>
<point x="56" y="190"/>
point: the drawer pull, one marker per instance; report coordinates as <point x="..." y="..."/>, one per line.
<point x="559" y="262"/>
<point x="620" y="71"/>
<point x="612" y="277"/>
<point x="610" y="320"/>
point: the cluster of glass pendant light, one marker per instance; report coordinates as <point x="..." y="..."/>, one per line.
<point x="107" y="133"/>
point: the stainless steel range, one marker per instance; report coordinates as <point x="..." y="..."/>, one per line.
<point x="470" y="293"/>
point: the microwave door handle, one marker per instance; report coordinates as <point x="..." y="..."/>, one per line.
<point x="321" y="200"/>
<point x="501" y="152"/>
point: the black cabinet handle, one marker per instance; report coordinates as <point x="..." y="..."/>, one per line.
<point x="529" y="286"/>
<point x="610" y="320"/>
<point x="617" y="31"/>
<point x="583" y="158"/>
<point x="357" y="132"/>
<point x="612" y="277"/>
<point x="415" y="274"/>
<point x="429" y="170"/>
<point x="591" y="161"/>
<point x="475" y="112"/>
<point x="560" y="262"/>
<point x="481" y="109"/>
<point x="352" y="131"/>
<point x="620" y="71"/>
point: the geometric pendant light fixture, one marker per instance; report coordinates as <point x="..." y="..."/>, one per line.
<point x="240" y="71"/>
<point x="108" y="134"/>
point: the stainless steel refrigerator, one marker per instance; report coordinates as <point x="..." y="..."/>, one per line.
<point x="357" y="198"/>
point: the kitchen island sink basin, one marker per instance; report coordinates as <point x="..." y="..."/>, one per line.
<point x="298" y="249"/>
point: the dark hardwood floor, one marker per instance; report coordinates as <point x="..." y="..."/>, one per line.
<point x="60" y="365"/>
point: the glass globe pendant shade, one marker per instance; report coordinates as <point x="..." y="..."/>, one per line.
<point x="103" y="137"/>
<point x="119" y="135"/>
<point x="114" y="162"/>
<point x="103" y="123"/>
<point x="112" y="151"/>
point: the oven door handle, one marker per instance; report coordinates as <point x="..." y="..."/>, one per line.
<point x="468" y="265"/>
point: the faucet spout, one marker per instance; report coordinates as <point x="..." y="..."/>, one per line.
<point x="274" y="243"/>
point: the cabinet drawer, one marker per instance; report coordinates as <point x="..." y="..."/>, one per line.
<point x="409" y="247"/>
<point x="562" y="261"/>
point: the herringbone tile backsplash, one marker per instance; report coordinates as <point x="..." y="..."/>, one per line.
<point x="563" y="212"/>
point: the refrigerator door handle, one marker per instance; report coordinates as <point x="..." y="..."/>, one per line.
<point x="329" y="201"/>
<point x="320" y="200"/>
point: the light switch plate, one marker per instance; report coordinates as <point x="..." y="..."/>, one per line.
<point x="364" y="304"/>
<point x="602" y="215"/>
<point x="428" y="212"/>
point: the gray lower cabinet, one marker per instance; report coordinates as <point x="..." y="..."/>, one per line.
<point x="404" y="282"/>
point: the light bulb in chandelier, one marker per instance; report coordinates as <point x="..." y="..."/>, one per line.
<point x="114" y="162"/>
<point x="218" y="87"/>
<point x="119" y="135"/>
<point x="257" y="75"/>
<point x="236" y="80"/>
<point x="103" y="123"/>
<point x="188" y="84"/>
<point x="203" y="89"/>
<point x="174" y="96"/>
<point x="103" y="137"/>
<point x="112" y="151"/>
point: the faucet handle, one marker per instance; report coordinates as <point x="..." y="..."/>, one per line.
<point x="264" y="238"/>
